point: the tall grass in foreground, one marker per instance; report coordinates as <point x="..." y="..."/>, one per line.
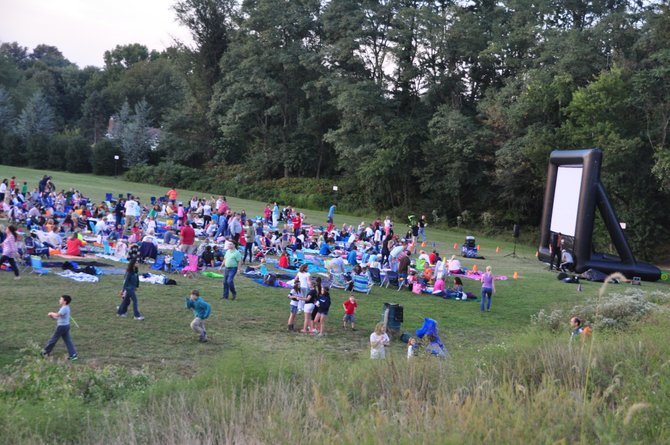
<point x="531" y="392"/>
<point x="526" y="394"/>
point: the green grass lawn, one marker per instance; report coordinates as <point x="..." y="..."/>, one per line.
<point x="249" y="336"/>
<point x="258" y="318"/>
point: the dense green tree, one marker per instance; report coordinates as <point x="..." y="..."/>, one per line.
<point x="125" y="56"/>
<point x="103" y="161"/>
<point x="130" y="130"/>
<point x="37" y="118"/>
<point x="7" y="111"/>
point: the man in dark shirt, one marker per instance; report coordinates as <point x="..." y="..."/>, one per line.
<point x="403" y="264"/>
<point x="555" y="250"/>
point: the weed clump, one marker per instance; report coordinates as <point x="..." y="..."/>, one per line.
<point x="615" y="311"/>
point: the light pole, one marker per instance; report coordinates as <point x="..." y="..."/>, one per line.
<point x="116" y="165"/>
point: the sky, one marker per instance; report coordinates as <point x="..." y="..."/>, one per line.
<point x="84" y="29"/>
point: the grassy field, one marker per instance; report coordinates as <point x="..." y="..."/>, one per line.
<point x="155" y="375"/>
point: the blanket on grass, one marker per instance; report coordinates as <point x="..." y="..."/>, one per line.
<point x="478" y="276"/>
<point x="112" y="258"/>
<point x="153" y="278"/>
<point x="78" y="276"/>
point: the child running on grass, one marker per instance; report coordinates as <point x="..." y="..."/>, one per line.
<point x="349" y="306"/>
<point x="201" y="310"/>
<point x="62" y="318"/>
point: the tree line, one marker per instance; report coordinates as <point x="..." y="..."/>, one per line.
<point x="445" y="107"/>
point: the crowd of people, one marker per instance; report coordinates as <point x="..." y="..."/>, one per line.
<point x="210" y="229"/>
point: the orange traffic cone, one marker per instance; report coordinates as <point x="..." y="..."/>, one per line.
<point x="474" y="268"/>
<point x="516" y="275"/>
<point x="455" y="246"/>
<point x="479" y="247"/>
<point x="497" y="249"/>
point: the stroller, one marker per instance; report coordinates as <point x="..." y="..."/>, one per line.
<point x="469" y="247"/>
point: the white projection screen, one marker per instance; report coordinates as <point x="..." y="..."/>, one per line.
<point x="566" y="199"/>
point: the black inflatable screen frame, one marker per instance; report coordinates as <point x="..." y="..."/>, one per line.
<point x="592" y="195"/>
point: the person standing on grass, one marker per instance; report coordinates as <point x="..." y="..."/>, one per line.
<point x="275" y="215"/>
<point x="350" y="307"/>
<point x="249" y="237"/>
<point x="172" y="195"/>
<point x="131" y="282"/>
<point x="331" y="214"/>
<point x="232" y="261"/>
<point x="62" y="318"/>
<point x="187" y="239"/>
<point x="10" y="250"/>
<point x="294" y="297"/>
<point x="310" y="300"/>
<point x="488" y="289"/>
<point x="129" y="213"/>
<point x="323" y="306"/>
<point x="379" y="339"/>
<point x="201" y="310"/>
<point x="305" y="281"/>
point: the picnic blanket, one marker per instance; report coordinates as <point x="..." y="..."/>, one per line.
<point x="78" y="276"/>
<point x="478" y="276"/>
<point x="112" y="258"/>
<point x="451" y="295"/>
<point x="153" y="278"/>
<point x="112" y="271"/>
<point x="311" y="268"/>
<point x="278" y="283"/>
<point x="59" y="264"/>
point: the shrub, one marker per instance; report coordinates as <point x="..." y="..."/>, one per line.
<point x="35" y="379"/>
<point x="612" y="311"/>
<point x="102" y="158"/>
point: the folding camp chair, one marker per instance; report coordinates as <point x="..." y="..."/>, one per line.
<point x="394" y="279"/>
<point x="177" y="261"/>
<point x="36" y="266"/>
<point x="375" y="275"/>
<point x="362" y="284"/>
<point x="192" y="267"/>
<point x="339" y="281"/>
<point x="159" y="264"/>
<point x="299" y="258"/>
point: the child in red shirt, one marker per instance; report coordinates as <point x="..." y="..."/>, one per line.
<point x="349" y="306"/>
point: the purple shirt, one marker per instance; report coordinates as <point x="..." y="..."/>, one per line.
<point x="487" y="280"/>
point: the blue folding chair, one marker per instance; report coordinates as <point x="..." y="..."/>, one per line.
<point x="362" y="284"/>
<point x="177" y="261"/>
<point x="106" y="248"/>
<point x="36" y="266"/>
<point x="159" y="264"/>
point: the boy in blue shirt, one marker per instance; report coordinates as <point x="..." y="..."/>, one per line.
<point x="62" y="318"/>
<point x="201" y="310"/>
